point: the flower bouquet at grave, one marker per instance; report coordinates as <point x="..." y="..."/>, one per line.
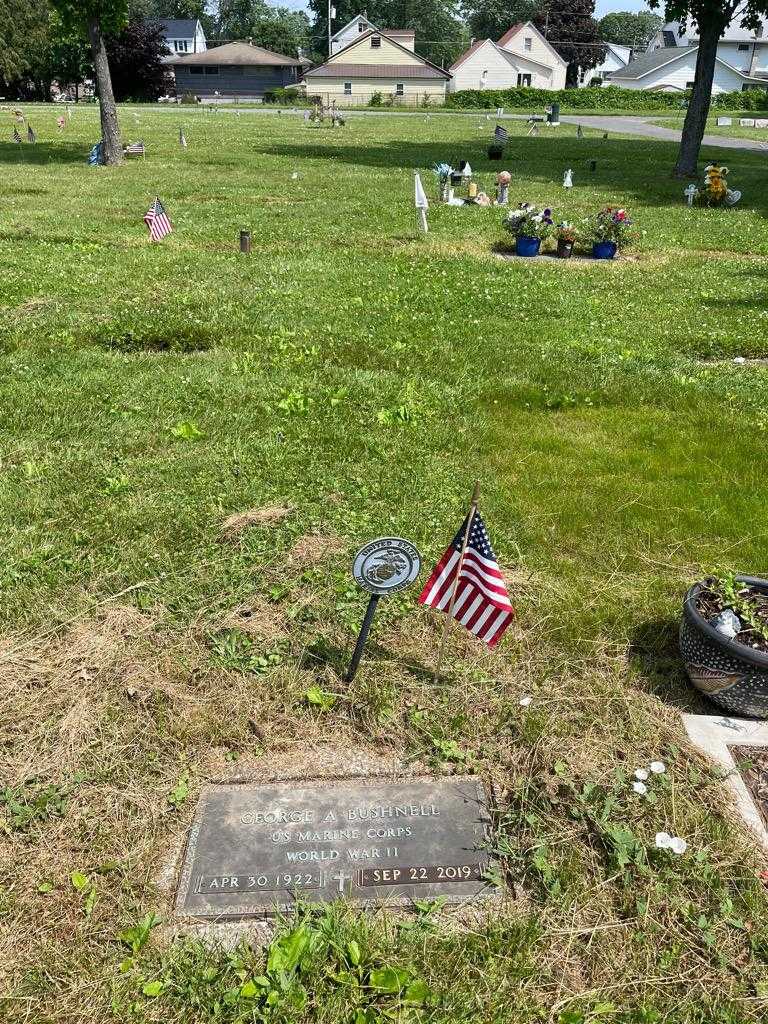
<point x="443" y="174"/>
<point x="530" y="226"/>
<point x="567" y="234"/>
<point x="610" y="231"/>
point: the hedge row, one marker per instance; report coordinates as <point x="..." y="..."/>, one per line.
<point x="610" y="98"/>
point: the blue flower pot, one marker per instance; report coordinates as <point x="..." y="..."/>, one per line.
<point x="527" y="245"/>
<point x="604" y="250"/>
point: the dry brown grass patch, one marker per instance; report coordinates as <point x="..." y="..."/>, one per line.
<point x="315" y="547"/>
<point x="265" y="515"/>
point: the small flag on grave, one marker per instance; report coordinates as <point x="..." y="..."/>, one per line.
<point x="421" y="202"/>
<point x="468" y="585"/>
<point x="579" y="132"/>
<point x="69" y="112"/>
<point x="501" y="134"/>
<point x="157" y="221"/>
<point x="31" y="137"/>
<point x="16" y="136"/>
<point x="182" y="139"/>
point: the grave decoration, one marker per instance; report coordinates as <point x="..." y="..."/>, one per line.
<point x="96" y="156"/>
<point x="384" y="566"/>
<point x="421" y="202"/>
<point x="503" y="179"/>
<point x="568" y="179"/>
<point x="530" y="226"/>
<point x="566" y="235"/>
<point x="714" y="191"/>
<point x="443" y="174"/>
<point x="724" y="642"/>
<point x="609" y="231"/>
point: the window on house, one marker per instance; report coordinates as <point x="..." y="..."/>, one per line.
<point x="361" y="26"/>
<point x="211" y="70"/>
<point x="180" y="45"/>
<point x="529" y="42"/>
<point x="347" y="88"/>
<point x="689" y="85"/>
<point x="524" y="80"/>
<point x="376" y="42"/>
<point x="743" y="47"/>
<point x="399" y="89"/>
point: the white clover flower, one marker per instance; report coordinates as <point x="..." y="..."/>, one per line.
<point x="641" y="774"/>
<point x="525" y="701"/>
<point x="657" y="767"/>
<point x="640" y="787"/>
<point x="663" y="839"/>
<point x="678" y="845"/>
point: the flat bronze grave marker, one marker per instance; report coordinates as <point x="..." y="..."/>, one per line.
<point x="255" y="849"/>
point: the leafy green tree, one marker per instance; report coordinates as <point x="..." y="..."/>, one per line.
<point x="628" y="28"/>
<point x="98" y="18"/>
<point x="275" y="28"/>
<point x="573" y="32"/>
<point x="25" y="33"/>
<point x="136" y="61"/>
<point x="490" y="19"/>
<point x="711" y="17"/>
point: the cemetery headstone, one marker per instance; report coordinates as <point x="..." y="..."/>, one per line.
<point x="747" y="122"/>
<point x="254" y="850"/>
<point x="761" y="122"/>
<point x="723" y="122"/>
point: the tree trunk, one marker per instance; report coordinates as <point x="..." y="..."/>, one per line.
<point x="701" y="98"/>
<point x="112" y="150"/>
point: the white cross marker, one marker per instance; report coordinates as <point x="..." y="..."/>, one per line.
<point x="341" y="878"/>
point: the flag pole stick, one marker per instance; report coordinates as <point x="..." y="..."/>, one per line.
<point x="449" y="616"/>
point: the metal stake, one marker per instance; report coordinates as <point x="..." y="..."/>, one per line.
<point x="245" y="241"/>
<point x="365" y="629"/>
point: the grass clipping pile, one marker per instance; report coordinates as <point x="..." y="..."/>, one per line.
<point x="110" y="728"/>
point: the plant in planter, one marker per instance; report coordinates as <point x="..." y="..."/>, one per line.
<point x="566" y="235"/>
<point x="495" y="151"/>
<point x="724" y="641"/>
<point x="530" y="226"/>
<point x="610" y="231"/>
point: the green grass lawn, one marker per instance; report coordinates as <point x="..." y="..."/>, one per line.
<point x="734" y="131"/>
<point x="364" y="375"/>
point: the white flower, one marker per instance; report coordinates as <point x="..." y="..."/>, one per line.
<point x="657" y="767"/>
<point x="640" y="787"/>
<point x="664" y="841"/>
<point x="525" y="701"/>
<point x="641" y="773"/>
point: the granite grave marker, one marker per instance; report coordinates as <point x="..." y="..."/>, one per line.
<point x="254" y="849"/>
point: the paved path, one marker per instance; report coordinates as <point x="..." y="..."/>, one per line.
<point x="642" y="126"/>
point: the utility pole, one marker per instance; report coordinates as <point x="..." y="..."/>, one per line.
<point x="331" y="12"/>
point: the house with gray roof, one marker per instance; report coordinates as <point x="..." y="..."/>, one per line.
<point x="235" y="70"/>
<point x="183" y="35"/>
<point x="673" y="69"/>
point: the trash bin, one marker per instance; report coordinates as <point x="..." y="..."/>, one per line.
<point x="553" y="115"/>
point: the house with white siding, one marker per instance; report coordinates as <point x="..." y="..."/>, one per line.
<point x="522" y="57"/>
<point x="183" y="35"/>
<point x="360" y="24"/>
<point x="742" y="59"/>
<point x="616" y="58"/>
<point x="376" y="63"/>
<point x="673" y="69"/>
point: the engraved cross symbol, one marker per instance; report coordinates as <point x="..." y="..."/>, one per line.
<point x="341" y="878"/>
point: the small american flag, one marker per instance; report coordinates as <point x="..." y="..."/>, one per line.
<point x="182" y="139"/>
<point x="482" y="603"/>
<point x="16" y="136"/>
<point x="31" y="137"/>
<point x="157" y="221"/>
<point x="501" y="134"/>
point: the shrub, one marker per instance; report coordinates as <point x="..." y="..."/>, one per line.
<point x="189" y="97"/>
<point x="612" y="97"/>
<point x="375" y="100"/>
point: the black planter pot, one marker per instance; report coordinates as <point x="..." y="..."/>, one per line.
<point x="728" y="672"/>
<point x="564" y="249"/>
<point x="495" y="152"/>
